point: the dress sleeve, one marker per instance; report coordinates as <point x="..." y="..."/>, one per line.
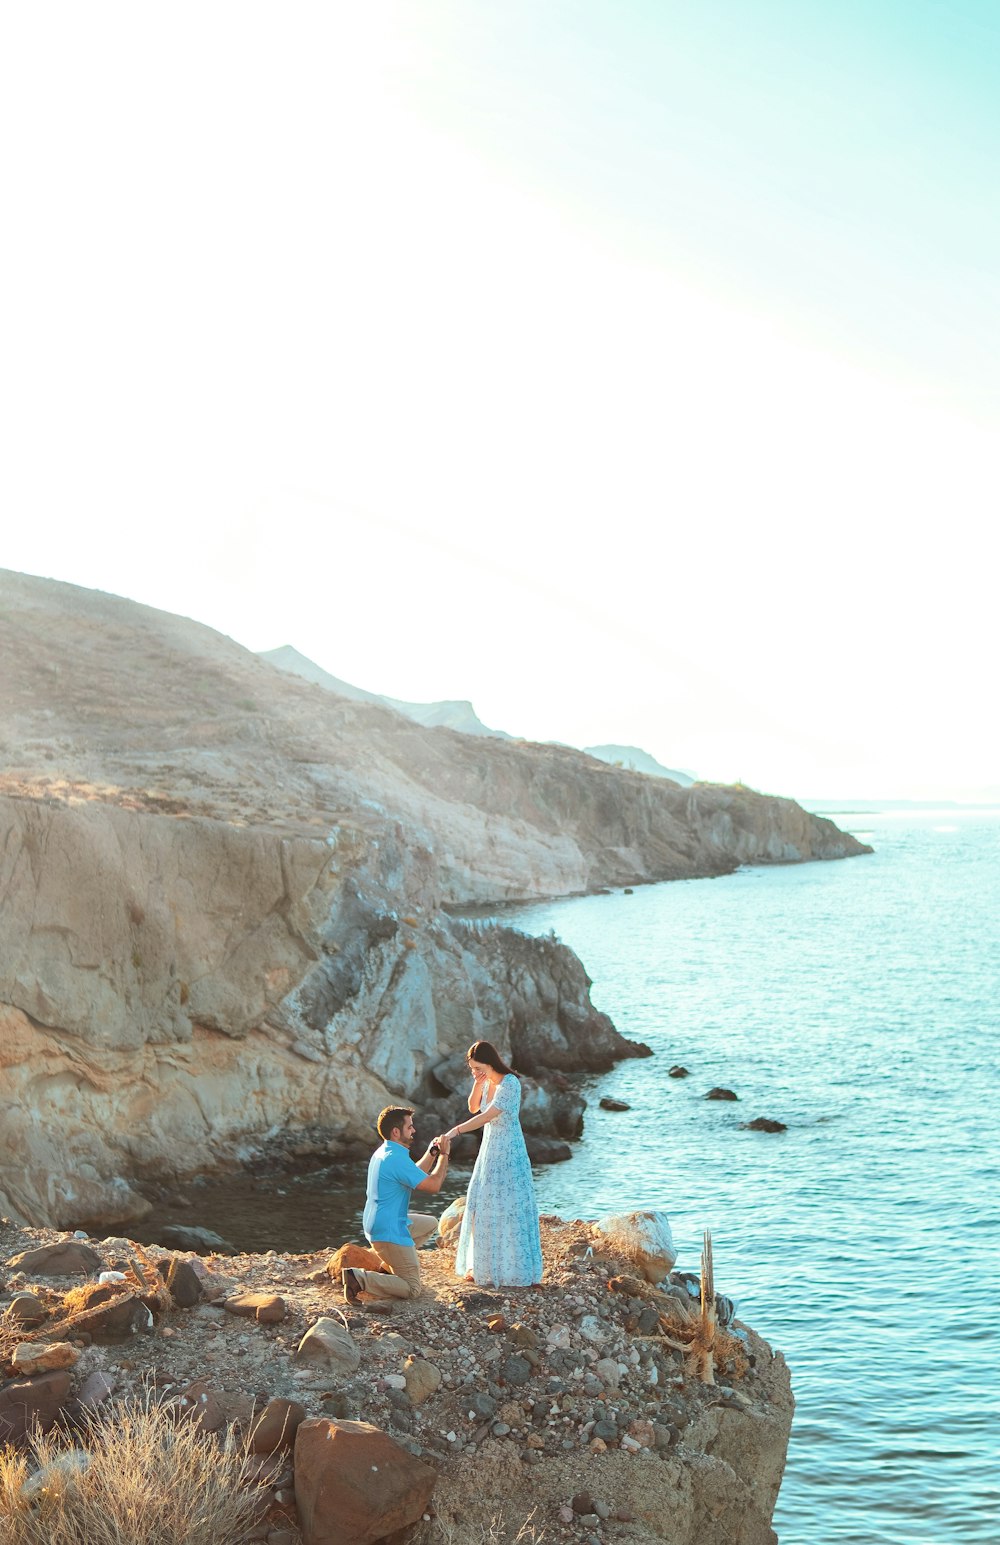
<point x="508" y="1095"/>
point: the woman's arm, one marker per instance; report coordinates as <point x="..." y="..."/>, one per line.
<point x="475" y="1122"/>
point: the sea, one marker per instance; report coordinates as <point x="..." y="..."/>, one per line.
<point x="857" y="1002"/>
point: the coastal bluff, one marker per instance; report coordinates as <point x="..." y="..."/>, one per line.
<point x="230" y="900"/>
<point x="568" y="1411"/>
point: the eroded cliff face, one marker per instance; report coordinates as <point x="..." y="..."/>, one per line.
<point x="225" y="894"/>
<point x="179" y="993"/>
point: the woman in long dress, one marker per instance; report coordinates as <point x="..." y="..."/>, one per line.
<point x="499" y="1244"/>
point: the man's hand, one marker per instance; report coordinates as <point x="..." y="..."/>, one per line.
<point x="444" y="1143"/>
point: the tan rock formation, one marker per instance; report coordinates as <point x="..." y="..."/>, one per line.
<point x="224" y="894"/>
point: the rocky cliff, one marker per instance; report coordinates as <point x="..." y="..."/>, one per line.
<point x="227" y="898"/>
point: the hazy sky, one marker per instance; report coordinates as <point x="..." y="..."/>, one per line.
<point x="632" y="369"/>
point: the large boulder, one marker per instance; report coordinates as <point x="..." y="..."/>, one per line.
<point x="29" y="1403"/>
<point x="644" y="1237"/>
<point x="329" y="1345"/>
<point x="354" y="1484"/>
<point x="68" y="1258"/>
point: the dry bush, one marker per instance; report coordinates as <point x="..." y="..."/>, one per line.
<point x="136" y="1477"/>
<point x="496" y="1532"/>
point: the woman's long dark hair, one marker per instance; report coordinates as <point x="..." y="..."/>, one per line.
<point x="485" y="1051"/>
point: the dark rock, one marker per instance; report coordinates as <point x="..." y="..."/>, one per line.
<point x="582" y="1503"/>
<point x="482" y="1406"/>
<point x="606" y="1430"/>
<point x="608" y="1103"/>
<point x="721" y="1094"/>
<point x="203" y="1405"/>
<point x="276" y="1426"/>
<point x="26" y="1403"/>
<point x="649" y="1319"/>
<point x="515" y="1370"/>
<point x="182" y="1280"/>
<point x="762" y="1124"/>
<point x="628" y="891"/>
<point x="26" y="1309"/>
<point x="547" y="1150"/>
<point x="678" y="1071"/>
<point x="201" y="1240"/>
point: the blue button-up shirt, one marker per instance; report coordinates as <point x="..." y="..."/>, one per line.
<point x="392" y="1175"/>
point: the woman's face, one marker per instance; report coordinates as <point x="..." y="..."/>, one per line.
<point x="480" y="1070"/>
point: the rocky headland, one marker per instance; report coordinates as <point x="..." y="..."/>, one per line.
<point x="231" y="902"/>
<point x="582" y="1409"/>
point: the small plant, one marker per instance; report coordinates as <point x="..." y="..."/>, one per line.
<point x="139" y="1476"/>
<point x="496" y="1532"/>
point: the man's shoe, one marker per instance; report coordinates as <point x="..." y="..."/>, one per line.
<point x="352" y="1287"/>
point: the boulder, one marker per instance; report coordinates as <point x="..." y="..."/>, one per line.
<point x="644" y="1237"/>
<point x="69" y="1258"/>
<point x="34" y="1357"/>
<point x="276" y="1426"/>
<point x="547" y="1150"/>
<point x="354" y="1484"/>
<point x="26" y="1309"/>
<point x="449" y="1224"/>
<point x="201" y="1240"/>
<point x="721" y="1094"/>
<point x="677" y="1071"/>
<point x="183" y="1282"/>
<point x="203" y="1405"/>
<point x="123" y="1315"/>
<point x="422" y="1379"/>
<point x="329" y="1345"/>
<point x="266" y="1308"/>
<point x="27" y="1403"/>
<point x="608" y="1103"/>
<point x="763" y="1124"/>
<point x="97" y="1388"/>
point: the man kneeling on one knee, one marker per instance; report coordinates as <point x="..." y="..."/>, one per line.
<point x="392" y="1230"/>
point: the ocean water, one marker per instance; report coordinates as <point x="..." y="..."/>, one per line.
<point x="858" y="1002"/>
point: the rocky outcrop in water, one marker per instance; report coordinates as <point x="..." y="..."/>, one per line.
<point x="228" y="898"/>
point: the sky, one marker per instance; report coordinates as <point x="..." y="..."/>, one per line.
<point x="628" y="367"/>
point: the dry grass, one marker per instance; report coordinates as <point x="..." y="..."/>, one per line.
<point x="136" y="1477"/>
<point x="497" y="1532"/>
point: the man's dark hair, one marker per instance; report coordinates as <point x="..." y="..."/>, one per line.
<point x="392" y="1116"/>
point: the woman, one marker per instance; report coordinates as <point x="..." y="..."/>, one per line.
<point x="499" y="1244"/>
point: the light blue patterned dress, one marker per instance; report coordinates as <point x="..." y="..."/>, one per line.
<point x="499" y="1241"/>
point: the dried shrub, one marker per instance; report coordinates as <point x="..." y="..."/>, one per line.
<point x="134" y="1477"/>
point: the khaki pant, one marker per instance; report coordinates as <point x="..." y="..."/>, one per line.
<point x="402" y="1261"/>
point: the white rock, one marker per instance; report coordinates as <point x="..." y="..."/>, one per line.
<point x="645" y="1238"/>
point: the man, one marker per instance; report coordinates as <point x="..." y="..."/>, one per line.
<point x="392" y="1231"/>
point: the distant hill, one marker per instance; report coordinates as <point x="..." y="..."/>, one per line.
<point x="637" y="760"/>
<point x="457" y="714"/>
